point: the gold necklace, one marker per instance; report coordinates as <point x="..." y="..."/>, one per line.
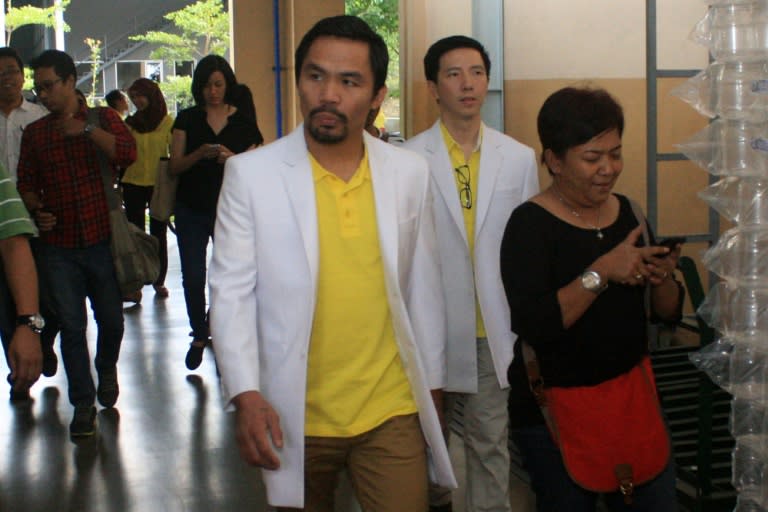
<point x="576" y="214"/>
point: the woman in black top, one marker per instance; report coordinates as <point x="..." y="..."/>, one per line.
<point x="575" y="269"/>
<point x="203" y="137"/>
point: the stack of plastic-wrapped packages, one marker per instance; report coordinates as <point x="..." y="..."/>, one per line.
<point x="733" y="92"/>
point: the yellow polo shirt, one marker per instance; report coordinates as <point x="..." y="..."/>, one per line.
<point x="355" y="378"/>
<point x="456" y="155"/>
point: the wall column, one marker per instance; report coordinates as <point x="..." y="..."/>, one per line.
<point x="252" y="52"/>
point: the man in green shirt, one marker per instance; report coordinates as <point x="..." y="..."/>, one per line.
<point x="20" y="322"/>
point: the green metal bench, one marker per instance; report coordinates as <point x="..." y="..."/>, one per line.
<point x="698" y="413"/>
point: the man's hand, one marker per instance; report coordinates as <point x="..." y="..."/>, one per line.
<point x="45" y="221"/>
<point x="257" y="430"/>
<point x="25" y="357"/>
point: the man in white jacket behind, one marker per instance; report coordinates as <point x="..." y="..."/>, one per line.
<point x="327" y="317"/>
<point x="480" y="176"/>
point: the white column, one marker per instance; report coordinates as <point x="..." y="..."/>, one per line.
<point x="2" y="22"/>
<point x="59" y="28"/>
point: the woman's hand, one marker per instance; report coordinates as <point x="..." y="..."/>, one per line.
<point x="662" y="266"/>
<point x="224" y="153"/>
<point x="631" y="265"/>
<point x="208" y="151"/>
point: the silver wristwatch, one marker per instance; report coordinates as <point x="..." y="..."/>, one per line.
<point x="34" y="322"/>
<point x="591" y="281"/>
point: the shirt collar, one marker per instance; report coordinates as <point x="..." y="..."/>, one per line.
<point x="362" y="173"/>
<point x="25" y="105"/>
<point x="451" y="142"/>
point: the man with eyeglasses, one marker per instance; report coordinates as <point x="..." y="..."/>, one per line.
<point x="15" y="114"/>
<point x="480" y="176"/>
<point x="60" y="181"/>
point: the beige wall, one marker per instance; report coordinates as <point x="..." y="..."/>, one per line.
<point x="253" y="52"/>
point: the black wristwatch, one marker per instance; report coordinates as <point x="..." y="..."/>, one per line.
<point x="35" y="322"/>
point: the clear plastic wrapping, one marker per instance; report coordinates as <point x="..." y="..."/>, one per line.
<point x="730" y="148"/>
<point x="735" y="310"/>
<point x="733" y="91"/>
<point x="740" y="256"/>
<point x="740" y="200"/>
<point x="734" y="31"/>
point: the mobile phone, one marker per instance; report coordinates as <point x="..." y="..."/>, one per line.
<point x="672" y="242"/>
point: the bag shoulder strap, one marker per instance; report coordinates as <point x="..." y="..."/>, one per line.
<point x="640" y="216"/>
<point x="647" y="239"/>
<point x="113" y="201"/>
<point x="536" y="384"/>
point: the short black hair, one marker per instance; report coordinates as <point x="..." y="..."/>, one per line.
<point x="203" y="71"/>
<point x="61" y="62"/>
<point x="445" y="45"/>
<point x="355" y="29"/>
<point x="574" y="115"/>
<point x="7" y="51"/>
<point x="113" y="97"/>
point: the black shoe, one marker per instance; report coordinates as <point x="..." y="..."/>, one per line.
<point x="195" y="354"/>
<point x="83" y="422"/>
<point x="50" y="362"/>
<point x="108" y="389"/>
<point x="20" y="396"/>
<point x="441" y="508"/>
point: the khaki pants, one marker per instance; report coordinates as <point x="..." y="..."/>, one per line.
<point x="486" y="450"/>
<point x="387" y="468"/>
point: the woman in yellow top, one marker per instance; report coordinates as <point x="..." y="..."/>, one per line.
<point x="151" y="127"/>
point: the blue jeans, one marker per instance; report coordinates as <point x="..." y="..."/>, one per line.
<point x="74" y="275"/>
<point x="556" y="491"/>
<point x="193" y="231"/>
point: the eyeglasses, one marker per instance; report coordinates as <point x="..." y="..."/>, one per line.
<point x="45" y="86"/>
<point x="465" y="193"/>
<point x="9" y="72"/>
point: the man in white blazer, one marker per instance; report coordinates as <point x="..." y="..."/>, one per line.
<point x="480" y="176"/>
<point x="326" y="311"/>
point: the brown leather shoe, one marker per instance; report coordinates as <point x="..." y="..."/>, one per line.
<point x="161" y="291"/>
<point x="134" y="297"/>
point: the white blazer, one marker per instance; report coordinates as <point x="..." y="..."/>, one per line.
<point x="508" y="176"/>
<point x="263" y="284"/>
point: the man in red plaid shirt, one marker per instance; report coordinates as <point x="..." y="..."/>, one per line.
<point x="59" y="179"/>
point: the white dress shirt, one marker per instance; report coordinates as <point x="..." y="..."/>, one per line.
<point x="11" y="128"/>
